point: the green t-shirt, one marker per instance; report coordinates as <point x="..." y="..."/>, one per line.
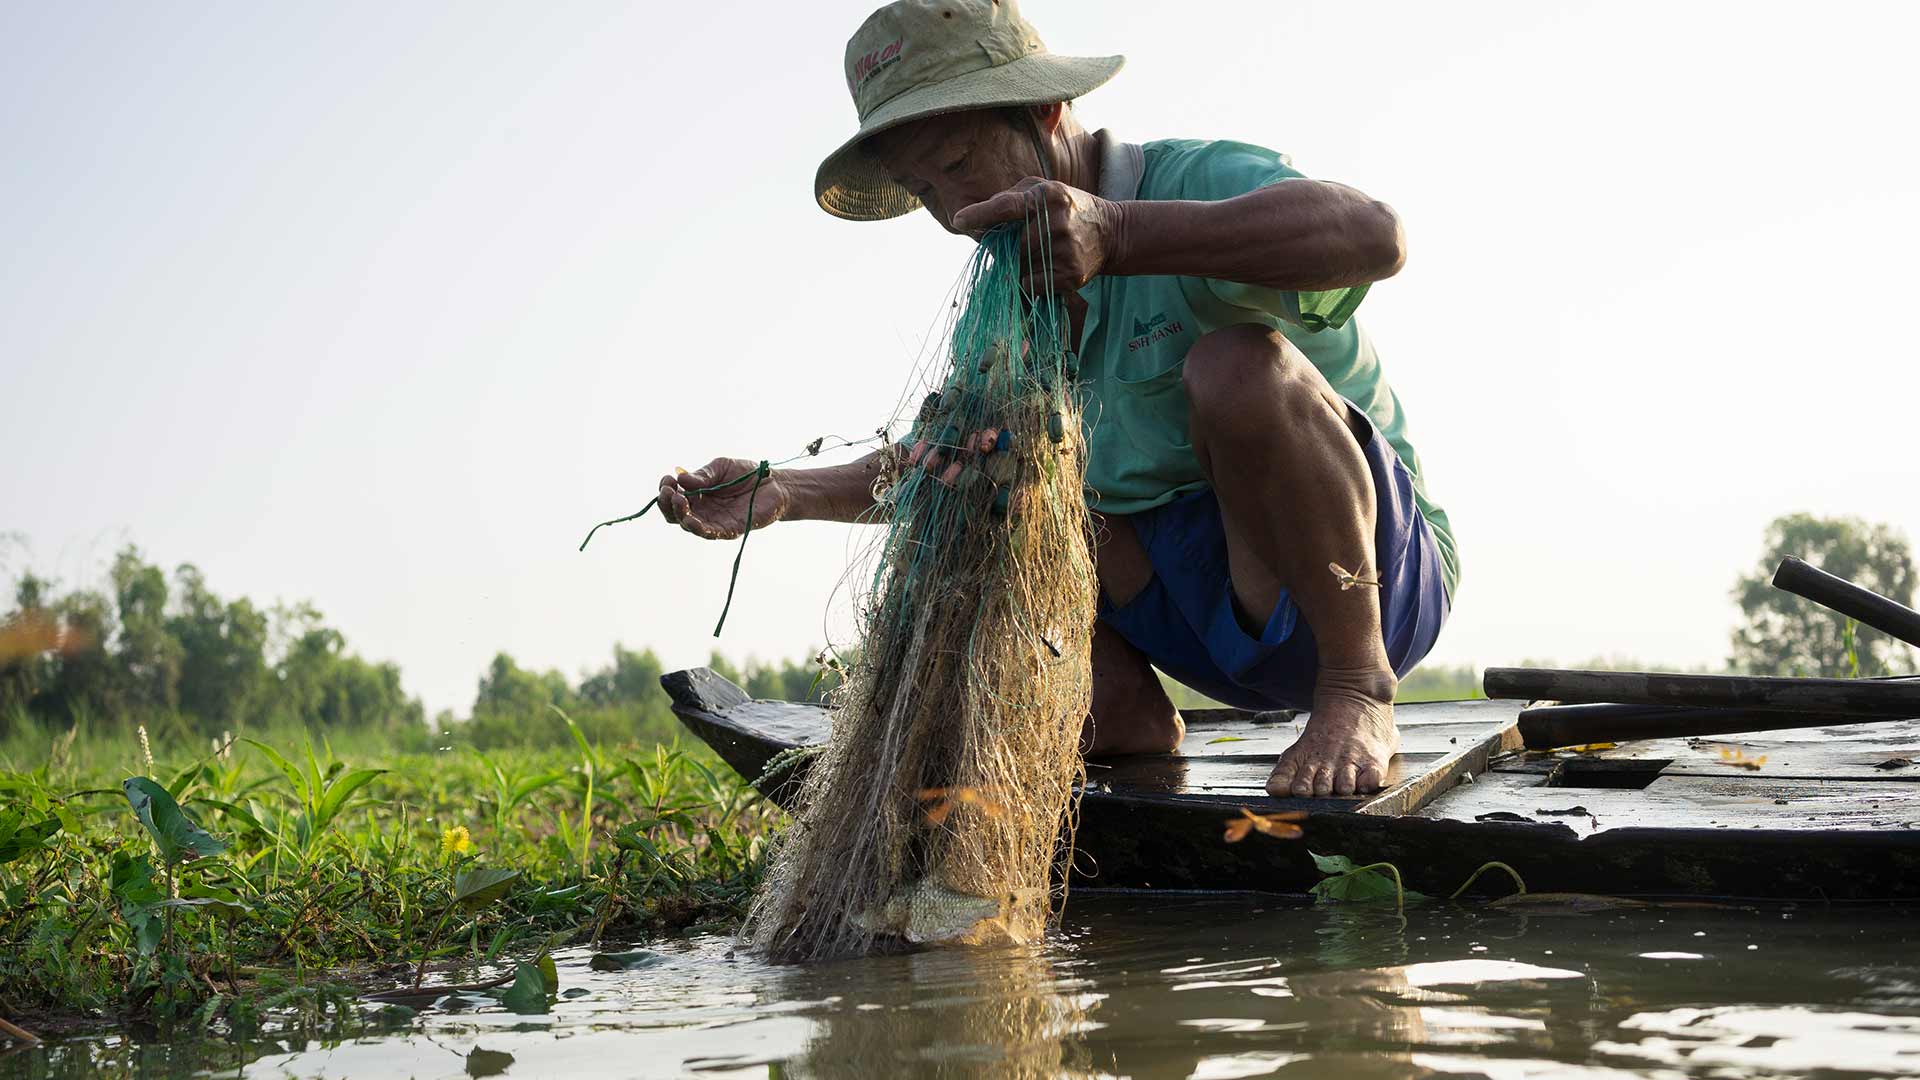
<point x="1137" y="331"/>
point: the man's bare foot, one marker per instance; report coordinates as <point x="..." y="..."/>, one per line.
<point x="1349" y="739"/>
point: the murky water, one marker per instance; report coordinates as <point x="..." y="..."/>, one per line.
<point x="1151" y="986"/>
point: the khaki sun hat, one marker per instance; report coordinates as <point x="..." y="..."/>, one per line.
<point x="918" y="58"/>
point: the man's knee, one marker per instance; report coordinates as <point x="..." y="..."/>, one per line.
<point x="1250" y="374"/>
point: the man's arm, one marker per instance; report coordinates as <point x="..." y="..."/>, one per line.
<point x="1298" y="234"/>
<point x="1302" y="235"/>
<point x="837" y="492"/>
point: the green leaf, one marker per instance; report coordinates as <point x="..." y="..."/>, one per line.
<point x="1227" y="738"/>
<point x="18" y="839"/>
<point x="210" y="903"/>
<point x="528" y="994"/>
<point x="625" y="961"/>
<point x="1333" y="864"/>
<point x="176" y="834"/>
<point x="340" y="791"/>
<point x="488" y="1062"/>
<point x="238" y="813"/>
<point x="131" y="879"/>
<point x="479" y="887"/>
<point x="548" y="972"/>
<point x="298" y="782"/>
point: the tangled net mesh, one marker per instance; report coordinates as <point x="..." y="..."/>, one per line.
<point x="941" y="805"/>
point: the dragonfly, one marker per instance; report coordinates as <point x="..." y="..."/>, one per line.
<point x="1282" y="826"/>
<point x="940" y="802"/>
<point x="1351" y="578"/>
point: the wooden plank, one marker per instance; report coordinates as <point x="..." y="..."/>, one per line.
<point x="1449" y="772"/>
<point x="1861" y="697"/>
<point x="1687" y="802"/>
<point x="1238" y="780"/>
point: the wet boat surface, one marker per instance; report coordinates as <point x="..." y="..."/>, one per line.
<point x="1828" y="814"/>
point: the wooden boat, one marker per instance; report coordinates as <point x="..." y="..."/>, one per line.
<point x="1810" y="814"/>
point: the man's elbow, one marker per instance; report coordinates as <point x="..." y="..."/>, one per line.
<point x="1382" y="240"/>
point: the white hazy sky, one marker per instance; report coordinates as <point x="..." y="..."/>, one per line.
<point x="381" y="305"/>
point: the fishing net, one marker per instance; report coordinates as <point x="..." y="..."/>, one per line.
<point x="940" y="806"/>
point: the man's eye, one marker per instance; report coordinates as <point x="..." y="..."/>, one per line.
<point x="955" y="168"/>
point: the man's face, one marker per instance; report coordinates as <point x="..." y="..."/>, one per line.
<point x="951" y="162"/>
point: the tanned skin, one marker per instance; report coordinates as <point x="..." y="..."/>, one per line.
<point x="1276" y="443"/>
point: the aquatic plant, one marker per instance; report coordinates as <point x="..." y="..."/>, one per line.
<point x="291" y="884"/>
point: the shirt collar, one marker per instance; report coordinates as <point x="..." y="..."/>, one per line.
<point x="1122" y="164"/>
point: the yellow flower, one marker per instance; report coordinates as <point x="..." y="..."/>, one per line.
<point x="456" y="841"/>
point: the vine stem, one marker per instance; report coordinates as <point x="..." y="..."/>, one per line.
<point x="1399" y="890"/>
<point x="1520" y="885"/>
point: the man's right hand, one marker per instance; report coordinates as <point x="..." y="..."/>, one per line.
<point x="722" y="514"/>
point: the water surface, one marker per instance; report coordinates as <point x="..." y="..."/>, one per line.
<point x="1157" y="986"/>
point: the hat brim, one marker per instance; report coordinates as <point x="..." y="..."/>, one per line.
<point x="851" y="184"/>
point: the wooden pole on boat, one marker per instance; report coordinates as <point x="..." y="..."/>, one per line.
<point x="1869" y="608"/>
<point x="18" y="1034"/>
<point x="1551" y="726"/>
<point x="1857" y="698"/>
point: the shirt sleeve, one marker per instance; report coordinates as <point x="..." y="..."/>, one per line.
<point x="1225" y="169"/>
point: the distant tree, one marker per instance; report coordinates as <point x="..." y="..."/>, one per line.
<point x="1783" y="634"/>
<point x="633" y="679"/>
<point x="224" y="675"/>
<point x="148" y="654"/>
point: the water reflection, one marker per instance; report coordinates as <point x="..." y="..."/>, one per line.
<point x="1151" y="986"/>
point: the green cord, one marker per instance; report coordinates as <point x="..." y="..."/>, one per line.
<point x="759" y="474"/>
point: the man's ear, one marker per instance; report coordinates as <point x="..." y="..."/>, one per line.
<point x="1048" y="117"/>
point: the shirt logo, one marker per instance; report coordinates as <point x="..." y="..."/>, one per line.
<point x="1152" y="331"/>
<point x="876" y="61"/>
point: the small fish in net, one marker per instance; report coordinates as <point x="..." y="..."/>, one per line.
<point x="973" y="675"/>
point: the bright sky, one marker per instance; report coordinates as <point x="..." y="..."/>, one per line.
<point x="381" y="305"/>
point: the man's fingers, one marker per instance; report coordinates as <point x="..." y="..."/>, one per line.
<point x="673" y="505"/>
<point x="1009" y="205"/>
<point x="981" y="216"/>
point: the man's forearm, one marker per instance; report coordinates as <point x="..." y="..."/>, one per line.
<point x="837" y="492"/>
<point x="1296" y="234"/>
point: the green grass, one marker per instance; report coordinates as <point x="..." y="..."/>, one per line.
<point x="333" y="868"/>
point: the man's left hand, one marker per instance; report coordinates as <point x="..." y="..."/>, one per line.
<point x="1075" y="228"/>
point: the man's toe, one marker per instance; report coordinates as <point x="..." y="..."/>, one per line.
<point x="1280" y="783"/>
<point x="1372" y="778"/>
<point x="1345" y="778"/>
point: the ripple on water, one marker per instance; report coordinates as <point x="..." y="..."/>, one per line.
<point x="1185" y="988"/>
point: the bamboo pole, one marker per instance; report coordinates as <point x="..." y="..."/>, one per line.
<point x="1869" y="608"/>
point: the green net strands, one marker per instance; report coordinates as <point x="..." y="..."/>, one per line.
<point x="941" y="806"/>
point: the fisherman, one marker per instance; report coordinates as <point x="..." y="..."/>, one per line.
<point x="1263" y="533"/>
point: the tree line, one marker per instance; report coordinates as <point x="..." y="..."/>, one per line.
<point x="166" y="651"/>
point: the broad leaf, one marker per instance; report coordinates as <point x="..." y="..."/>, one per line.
<point x="1333" y="864"/>
<point x="1347" y="881"/>
<point x="176" y="834"/>
<point x="625" y="961"/>
<point x="528" y="994"/>
<point x="482" y="886"/>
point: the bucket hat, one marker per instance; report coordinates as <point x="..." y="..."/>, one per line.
<point x="920" y="58"/>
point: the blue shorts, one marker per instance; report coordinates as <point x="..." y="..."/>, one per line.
<point x="1184" y="619"/>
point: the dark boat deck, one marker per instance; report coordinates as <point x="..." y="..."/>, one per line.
<point x="1832" y="813"/>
